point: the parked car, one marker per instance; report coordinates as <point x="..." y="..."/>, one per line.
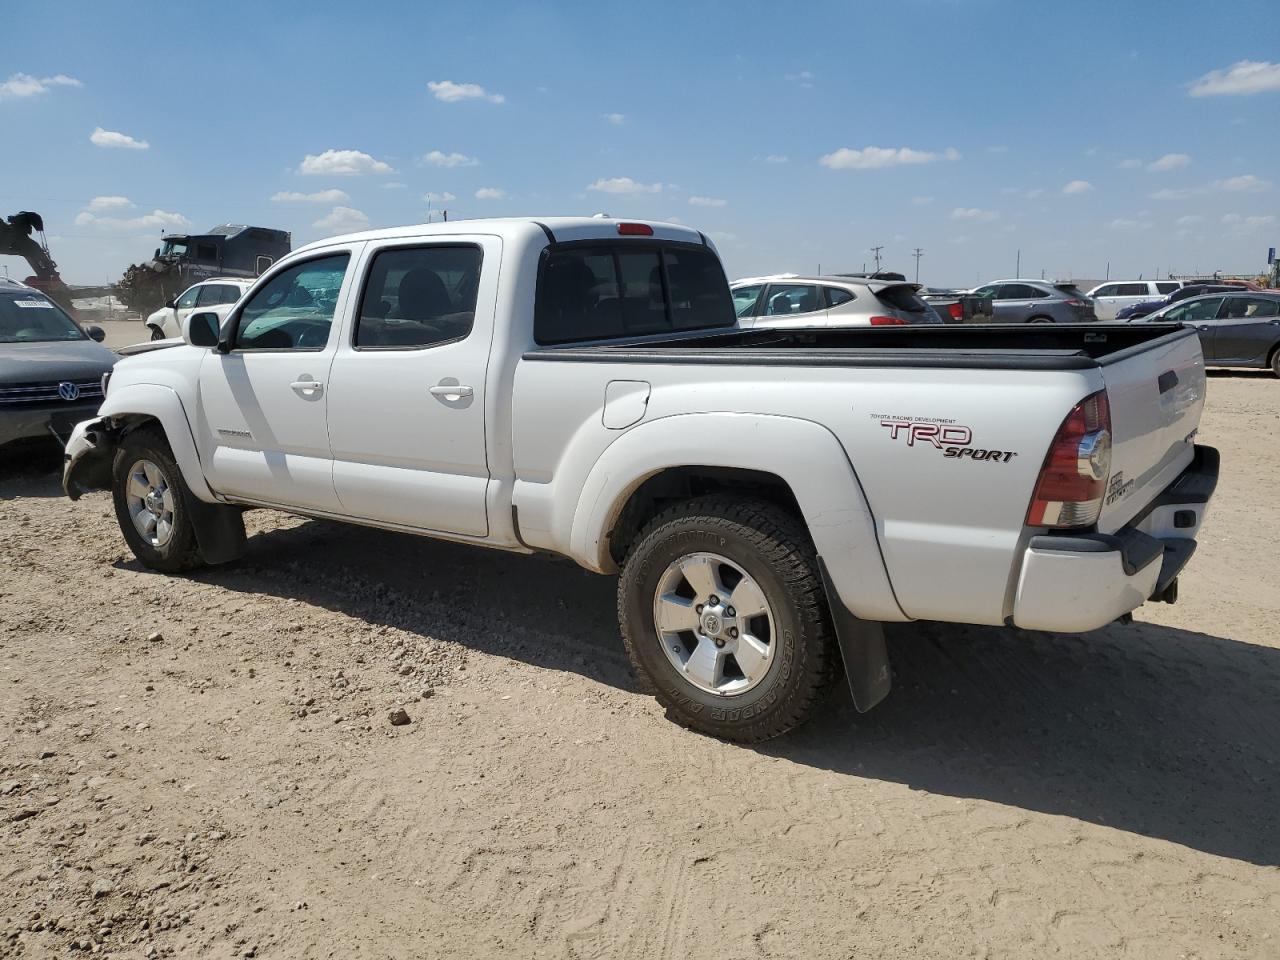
<point x="1133" y="311"/>
<point x="784" y="301"/>
<point x="957" y="306"/>
<point x="1036" y="301"/>
<point x="216" y="296"/>
<point x="580" y="386"/>
<point x="51" y="368"/>
<point x="1114" y="295"/>
<point x="1237" y="329"/>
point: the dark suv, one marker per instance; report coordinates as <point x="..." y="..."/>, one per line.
<point x="50" y="368"/>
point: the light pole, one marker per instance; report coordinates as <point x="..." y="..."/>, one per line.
<point x="918" y="253"/>
<point x="876" y="251"/>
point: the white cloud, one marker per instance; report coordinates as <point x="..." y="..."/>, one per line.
<point x="617" y="119"/>
<point x="438" y="197"/>
<point x="1170" y="161"/>
<point x="1245" y="183"/>
<point x="149" y="221"/>
<point x="1077" y="187"/>
<point x="341" y="163"/>
<point x="974" y="213"/>
<point x="777" y="158"/>
<point x="707" y="201"/>
<point x="1132" y="163"/>
<point x="394" y="185"/>
<point x="1026" y="193"/>
<point x="438" y="158"/>
<point x="1244" y="224"/>
<point x="1121" y="223"/>
<point x="805" y="78"/>
<point x="451" y="92"/>
<point x="342" y="220"/>
<point x="922" y="201"/>
<point x="321" y="196"/>
<point x="624" y="185"/>
<point x="1171" y="194"/>
<point x="1243" y="78"/>
<point x="491" y="193"/>
<point x="111" y="138"/>
<point x="99" y="204"/>
<point x="24" y="85"/>
<point x="871" y="158"/>
<point x="1190" y="220"/>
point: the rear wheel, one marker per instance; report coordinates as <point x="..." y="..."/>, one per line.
<point x="1275" y="361"/>
<point x="725" y="620"/>
<point x="153" y="503"/>
<point x="1041" y="320"/>
<point x="157" y="333"/>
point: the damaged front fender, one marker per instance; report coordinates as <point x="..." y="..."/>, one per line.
<point x="88" y="458"/>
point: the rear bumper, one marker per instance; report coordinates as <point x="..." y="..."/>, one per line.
<point x="1072" y="583"/>
<point x="23" y="422"/>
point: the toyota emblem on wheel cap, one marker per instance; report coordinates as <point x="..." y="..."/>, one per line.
<point x="68" y="390"/>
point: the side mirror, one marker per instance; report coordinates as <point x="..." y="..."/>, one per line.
<point x="156" y="255"/>
<point x="201" y="329"/>
<point x="171" y="303"/>
<point x="95" y="332"/>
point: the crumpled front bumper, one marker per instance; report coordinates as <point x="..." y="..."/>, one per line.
<point x="87" y="460"/>
<point x="1072" y="583"/>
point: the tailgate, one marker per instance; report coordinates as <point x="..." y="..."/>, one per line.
<point x="1156" y="392"/>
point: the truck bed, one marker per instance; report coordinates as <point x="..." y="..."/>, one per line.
<point x="984" y="346"/>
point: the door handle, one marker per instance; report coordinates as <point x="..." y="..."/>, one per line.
<point x="305" y="386"/>
<point x="452" y="391"/>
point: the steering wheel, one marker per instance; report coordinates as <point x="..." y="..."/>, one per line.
<point x="313" y="336"/>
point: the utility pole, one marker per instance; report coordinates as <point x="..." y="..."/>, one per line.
<point x="1017" y="270"/>
<point x="917" y="253"/>
<point x="1108" y="276"/>
<point x="876" y="251"/>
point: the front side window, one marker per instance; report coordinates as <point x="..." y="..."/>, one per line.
<point x="744" y="299"/>
<point x="1205" y="309"/>
<point x="419" y="296"/>
<point x="1131" y="290"/>
<point x="988" y="291"/>
<point x="786" y="299"/>
<point x="594" y="291"/>
<point x="29" y="317"/>
<point x="1107" y="290"/>
<point x="1018" y="291"/>
<point x="295" y="309"/>
<point x="189" y="299"/>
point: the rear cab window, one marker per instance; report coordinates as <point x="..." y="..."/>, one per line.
<point x="597" y="290"/>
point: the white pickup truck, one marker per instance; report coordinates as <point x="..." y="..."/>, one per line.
<point x="770" y="498"/>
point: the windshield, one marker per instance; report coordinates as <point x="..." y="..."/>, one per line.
<point x="31" y="317"/>
<point x="174" y="248"/>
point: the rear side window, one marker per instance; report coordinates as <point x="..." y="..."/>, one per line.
<point x="597" y="291"/>
<point x="903" y="298"/>
<point x="785" y="299"/>
<point x="1166" y="288"/>
<point x="419" y="296"/>
<point x="1020" y="291"/>
<point x="837" y="296"/>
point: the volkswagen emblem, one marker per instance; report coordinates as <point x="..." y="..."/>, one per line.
<point x="68" y="390"/>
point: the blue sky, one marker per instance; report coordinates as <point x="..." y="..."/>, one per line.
<point x="1142" y="134"/>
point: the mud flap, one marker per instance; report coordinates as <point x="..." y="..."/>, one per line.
<point x="862" y="647"/>
<point x="219" y="529"/>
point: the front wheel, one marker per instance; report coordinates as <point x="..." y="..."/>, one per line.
<point x="1275" y="362"/>
<point x="1041" y="320"/>
<point x="153" y="503"/>
<point x="725" y="620"/>
<point x="157" y="333"/>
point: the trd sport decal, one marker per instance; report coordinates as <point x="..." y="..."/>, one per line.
<point x="951" y="438"/>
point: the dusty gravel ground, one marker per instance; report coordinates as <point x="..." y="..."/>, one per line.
<point x="204" y="766"/>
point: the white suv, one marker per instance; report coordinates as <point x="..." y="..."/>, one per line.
<point x="1112" y="296"/>
<point x="215" y="296"/>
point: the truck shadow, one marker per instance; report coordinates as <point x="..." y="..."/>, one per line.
<point x="31" y="469"/>
<point x="1154" y="730"/>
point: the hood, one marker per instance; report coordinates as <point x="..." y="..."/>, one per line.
<point x="50" y="362"/>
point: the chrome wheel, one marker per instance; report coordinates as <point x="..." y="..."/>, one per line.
<point x="714" y="624"/>
<point x="150" y="500"/>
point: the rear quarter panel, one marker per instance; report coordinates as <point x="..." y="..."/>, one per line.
<point x="949" y="526"/>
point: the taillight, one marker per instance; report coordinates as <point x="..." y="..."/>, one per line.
<point x="1073" y="479"/>
<point x="635" y="230"/>
<point x="956" y="310"/>
<point x="887" y="322"/>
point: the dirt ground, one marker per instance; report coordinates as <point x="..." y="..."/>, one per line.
<point x="204" y="766"/>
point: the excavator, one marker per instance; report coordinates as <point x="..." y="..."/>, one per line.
<point x="16" y="240"/>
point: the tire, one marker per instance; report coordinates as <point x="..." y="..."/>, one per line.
<point x="1275" y="361"/>
<point x="157" y="333"/>
<point x="1041" y="320"/>
<point x="778" y="683"/>
<point x="144" y="462"/>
